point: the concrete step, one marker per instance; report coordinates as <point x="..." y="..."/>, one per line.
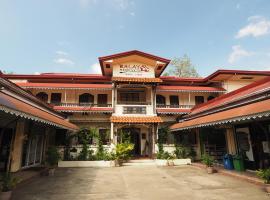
<point x="140" y="162"/>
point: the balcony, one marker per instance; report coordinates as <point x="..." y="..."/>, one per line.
<point x="81" y="105"/>
<point x="134" y="110"/>
<point x="133" y="103"/>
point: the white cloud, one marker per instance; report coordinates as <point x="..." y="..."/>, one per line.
<point x="61" y="53"/>
<point x="64" y="61"/>
<point x="63" y="43"/>
<point x="238" y="6"/>
<point x="237" y="53"/>
<point x="95" y="69"/>
<point x="132" y="14"/>
<point x="258" y="26"/>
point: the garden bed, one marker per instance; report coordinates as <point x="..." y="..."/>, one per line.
<point x="99" y="163"/>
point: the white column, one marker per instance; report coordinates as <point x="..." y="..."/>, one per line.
<point x="112" y="133"/>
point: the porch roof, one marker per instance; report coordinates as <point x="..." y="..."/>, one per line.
<point x="60" y="86"/>
<point x="19" y="107"/>
<point x="246" y="112"/>
<point x="136" y="120"/>
<point x="138" y="80"/>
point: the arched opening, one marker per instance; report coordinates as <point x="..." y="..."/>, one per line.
<point x="210" y="98"/>
<point x="160" y="100"/>
<point x="86" y="98"/>
<point x="42" y="96"/>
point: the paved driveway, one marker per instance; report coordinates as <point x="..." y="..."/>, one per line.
<point x="138" y="182"/>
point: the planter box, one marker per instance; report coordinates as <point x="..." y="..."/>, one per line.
<point x="100" y="163"/>
<point x="160" y="162"/>
<point x="186" y="161"/>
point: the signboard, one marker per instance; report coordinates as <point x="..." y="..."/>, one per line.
<point x="133" y="70"/>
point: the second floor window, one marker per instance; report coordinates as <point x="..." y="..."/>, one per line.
<point x="56" y="98"/>
<point x="42" y="96"/>
<point x="174" y="101"/>
<point x="161" y="101"/>
<point x="102" y="99"/>
<point x="86" y="98"/>
<point x="199" y="100"/>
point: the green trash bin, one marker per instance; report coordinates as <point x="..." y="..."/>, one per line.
<point x="238" y="163"/>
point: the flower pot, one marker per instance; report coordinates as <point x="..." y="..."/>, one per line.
<point x="267" y="188"/>
<point x="5" y="195"/>
<point x="210" y="170"/>
<point x="118" y="163"/>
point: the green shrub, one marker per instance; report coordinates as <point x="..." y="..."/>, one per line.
<point x="123" y="151"/>
<point x="264" y="174"/>
<point x="8" y="182"/>
<point x="52" y="156"/>
<point x="83" y="155"/>
<point x="208" y="160"/>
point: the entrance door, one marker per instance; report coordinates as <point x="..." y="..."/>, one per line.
<point x="135" y="139"/>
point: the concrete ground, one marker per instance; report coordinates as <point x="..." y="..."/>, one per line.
<point x="137" y="182"/>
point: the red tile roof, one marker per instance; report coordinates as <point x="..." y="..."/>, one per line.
<point x="189" y="88"/>
<point x="18" y="107"/>
<point x="238" y="113"/>
<point x="233" y="96"/>
<point x="134" y="120"/>
<point x="64" y="85"/>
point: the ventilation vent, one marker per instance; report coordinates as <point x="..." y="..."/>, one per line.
<point x="108" y="66"/>
<point x="246" y="77"/>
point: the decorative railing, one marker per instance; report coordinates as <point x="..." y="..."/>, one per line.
<point x="81" y="105"/>
<point x="134" y="110"/>
<point x="133" y="103"/>
<point x="175" y="106"/>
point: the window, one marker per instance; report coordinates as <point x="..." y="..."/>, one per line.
<point x="174" y="101"/>
<point x="161" y="101"/>
<point x="105" y="136"/>
<point x="129" y="97"/>
<point x="199" y="100"/>
<point x="102" y="100"/>
<point x="42" y="96"/>
<point x="210" y="98"/>
<point x="56" y="98"/>
<point x="86" y="98"/>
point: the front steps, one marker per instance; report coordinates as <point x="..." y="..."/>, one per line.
<point x="140" y="162"/>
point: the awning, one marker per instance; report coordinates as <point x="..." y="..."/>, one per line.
<point x="65" y="86"/>
<point x="172" y="111"/>
<point x="251" y="111"/>
<point x="138" y="80"/>
<point x="83" y="109"/>
<point x="171" y="88"/>
<point x="20" y="108"/>
<point x="136" y="120"/>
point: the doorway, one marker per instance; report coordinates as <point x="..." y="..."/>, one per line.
<point x="6" y="137"/>
<point x="135" y="138"/>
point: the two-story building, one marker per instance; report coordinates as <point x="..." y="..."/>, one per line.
<point x="130" y="95"/>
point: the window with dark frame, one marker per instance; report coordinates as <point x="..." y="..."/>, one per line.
<point x="56" y="98"/>
<point x="174" y="101"/>
<point x="199" y="100"/>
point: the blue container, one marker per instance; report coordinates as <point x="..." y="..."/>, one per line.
<point x="228" y="161"/>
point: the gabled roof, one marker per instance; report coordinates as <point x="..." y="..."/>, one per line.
<point x="130" y="53"/>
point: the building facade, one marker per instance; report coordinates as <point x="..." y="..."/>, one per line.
<point x="132" y="96"/>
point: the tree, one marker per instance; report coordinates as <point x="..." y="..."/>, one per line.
<point x="182" y="67"/>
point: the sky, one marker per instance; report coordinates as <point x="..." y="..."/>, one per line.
<point x="68" y="36"/>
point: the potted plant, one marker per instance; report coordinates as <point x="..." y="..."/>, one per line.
<point x="265" y="175"/>
<point x="8" y="184"/>
<point x="52" y="159"/>
<point x="123" y="152"/>
<point x="208" y="161"/>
